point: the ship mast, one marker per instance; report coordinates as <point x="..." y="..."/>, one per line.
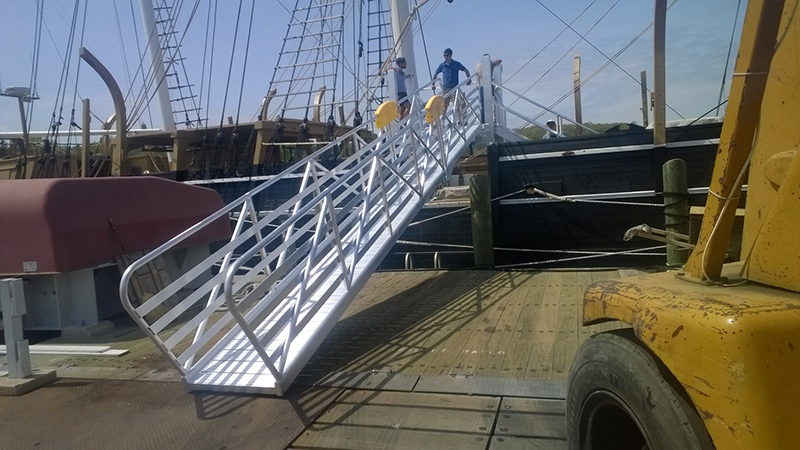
<point x="404" y="43"/>
<point x="157" y="58"/>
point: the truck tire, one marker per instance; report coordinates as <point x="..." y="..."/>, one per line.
<point x="620" y="396"/>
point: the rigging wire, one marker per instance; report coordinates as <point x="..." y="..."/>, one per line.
<point x="203" y="66"/>
<point x="75" y="93"/>
<point x="171" y="59"/>
<point x="728" y="57"/>
<point x="139" y="53"/>
<point x="424" y="44"/>
<point x="211" y="59"/>
<point x="563" y="30"/>
<point x="122" y="43"/>
<point x="611" y="60"/>
<point x="64" y="70"/>
<point x="244" y="67"/>
<point x="37" y="44"/>
<point x="230" y="65"/>
<point x="573" y="46"/>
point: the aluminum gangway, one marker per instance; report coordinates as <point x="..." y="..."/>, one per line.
<point x="260" y="305"/>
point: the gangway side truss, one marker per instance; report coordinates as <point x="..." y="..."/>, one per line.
<point x="247" y="318"/>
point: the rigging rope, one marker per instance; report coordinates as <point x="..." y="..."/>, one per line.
<point x="466" y="208"/>
<point x="576" y="258"/>
<point x="573" y="46"/>
<point x="75" y="96"/>
<point x="563" y="30"/>
<point x="521" y="250"/>
<point x="728" y="58"/>
<point x="602" y="67"/>
<point x="424" y="45"/>
<point x="139" y="53"/>
<point x="171" y="60"/>
<point x="587" y="200"/>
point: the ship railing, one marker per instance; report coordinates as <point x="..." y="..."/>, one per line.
<point x="533" y="121"/>
<point x="273" y="281"/>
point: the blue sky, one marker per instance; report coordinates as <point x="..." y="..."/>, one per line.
<point x="698" y="33"/>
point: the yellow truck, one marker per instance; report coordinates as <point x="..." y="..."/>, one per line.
<point x="712" y="358"/>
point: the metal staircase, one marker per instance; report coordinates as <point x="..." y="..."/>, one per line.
<point x="247" y="318"/>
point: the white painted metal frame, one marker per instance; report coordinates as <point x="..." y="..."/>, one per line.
<point x="268" y="298"/>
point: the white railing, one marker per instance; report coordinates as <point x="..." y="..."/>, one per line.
<point x="250" y="315"/>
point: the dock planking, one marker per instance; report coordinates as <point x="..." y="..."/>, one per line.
<point x="522" y="324"/>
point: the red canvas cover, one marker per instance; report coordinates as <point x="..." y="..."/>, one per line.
<point x="66" y="224"/>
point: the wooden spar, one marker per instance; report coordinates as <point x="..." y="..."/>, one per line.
<point x="120" y="153"/>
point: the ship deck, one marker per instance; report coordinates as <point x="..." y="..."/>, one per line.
<point x="421" y="359"/>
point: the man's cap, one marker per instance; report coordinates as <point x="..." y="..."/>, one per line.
<point x="550" y="121"/>
<point x="401" y="60"/>
<point x="448" y="51"/>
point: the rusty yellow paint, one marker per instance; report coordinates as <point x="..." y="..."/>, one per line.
<point x="759" y="35"/>
<point x="774" y="255"/>
<point x="435" y="108"/>
<point x="385" y="114"/>
<point x="770" y="242"/>
<point x="736" y="350"/>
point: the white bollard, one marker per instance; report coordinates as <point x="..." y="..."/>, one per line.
<point x="12" y="304"/>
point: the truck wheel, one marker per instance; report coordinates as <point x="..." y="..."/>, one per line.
<point x="621" y="397"/>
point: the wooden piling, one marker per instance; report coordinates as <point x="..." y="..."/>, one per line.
<point x="480" y="198"/>
<point x="676" y="207"/>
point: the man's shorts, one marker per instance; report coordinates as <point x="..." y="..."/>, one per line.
<point x="401" y="95"/>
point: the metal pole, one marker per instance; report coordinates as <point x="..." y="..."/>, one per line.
<point x="645" y="100"/>
<point x="659" y="41"/>
<point x="12" y="303"/>
<point x="25" y="138"/>
<point x="86" y="163"/>
<point x="481" y="211"/>
<point x="487" y="98"/>
<point x="576" y="81"/>
<point x="676" y="208"/>
<point x="157" y="59"/>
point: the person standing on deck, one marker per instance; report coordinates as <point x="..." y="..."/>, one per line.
<point x="449" y="70"/>
<point x="404" y="106"/>
<point x="552" y="131"/>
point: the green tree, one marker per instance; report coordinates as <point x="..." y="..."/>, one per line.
<point x="534" y="132"/>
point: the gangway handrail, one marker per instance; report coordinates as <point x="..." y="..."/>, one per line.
<point x="322" y="245"/>
<point x="535" y="103"/>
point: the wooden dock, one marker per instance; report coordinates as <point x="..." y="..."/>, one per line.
<point x="421" y="359"/>
<point x="522" y="325"/>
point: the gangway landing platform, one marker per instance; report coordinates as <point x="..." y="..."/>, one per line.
<point x="250" y="316"/>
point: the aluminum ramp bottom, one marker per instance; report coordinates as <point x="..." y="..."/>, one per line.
<point x="310" y="259"/>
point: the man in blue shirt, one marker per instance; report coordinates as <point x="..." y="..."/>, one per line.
<point x="449" y="70"/>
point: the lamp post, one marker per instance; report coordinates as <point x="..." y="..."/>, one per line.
<point x="22" y="94"/>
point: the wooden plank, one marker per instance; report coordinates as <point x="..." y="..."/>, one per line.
<point x="496" y="296"/>
<point x="424" y="315"/>
<point x="553" y="426"/>
<point x="361" y="380"/>
<point x="541" y="353"/>
<point x="445" y="329"/>
<point x="566" y="343"/>
<point x="450" y="402"/>
<point x="515" y="360"/>
<point x="522" y="443"/>
<point x="408" y="418"/>
<point x="357" y="438"/>
<point x="532" y="405"/>
<point x="500" y="340"/>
